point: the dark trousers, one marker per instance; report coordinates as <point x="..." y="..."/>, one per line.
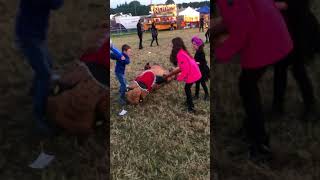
<point x="154" y="38"/>
<point x="254" y="124"/>
<point x="140" y="38"/>
<point x="204" y="86"/>
<point x="123" y="87"/>
<point x="38" y="57"/>
<point x="201" y="27"/>
<point x="296" y="61"/>
<point x="207" y="35"/>
<point x="187" y="89"/>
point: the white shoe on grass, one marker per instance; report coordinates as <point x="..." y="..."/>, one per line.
<point x="123" y="112"/>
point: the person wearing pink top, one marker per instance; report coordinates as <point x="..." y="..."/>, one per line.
<point x="258" y="33"/>
<point x="188" y="69"/>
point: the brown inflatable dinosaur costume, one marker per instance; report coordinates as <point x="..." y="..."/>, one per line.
<point x="81" y="98"/>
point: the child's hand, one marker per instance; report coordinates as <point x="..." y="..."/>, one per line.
<point x="281" y="5"/>
<point x="219" y="40"/>
<point x="123" y="58"/>
<point x="165" y="76"/>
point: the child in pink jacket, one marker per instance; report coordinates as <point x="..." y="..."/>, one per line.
<point x="258" y="33"/>
<point x="187" y="66"/>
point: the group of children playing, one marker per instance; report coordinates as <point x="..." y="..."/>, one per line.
<point x="188" y="69"/>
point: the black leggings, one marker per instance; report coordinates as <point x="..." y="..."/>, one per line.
<point x="187" y="89"/>
<point x="299" y="72"/>
<point x="204" y="86"/>
<point x="201" y="27"/>
<point x="254" y="124"/>
<point x="207" y="35"/>
<point x="154" y="38"/>
<point x="140" y="38"/>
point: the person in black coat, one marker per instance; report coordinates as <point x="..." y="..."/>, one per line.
<point x="201" y="26"/>
<point x="200" y="58"/>
<point x="154" y="33"/>
<point x="304" y="30"/>
<point x="140" y="33"/>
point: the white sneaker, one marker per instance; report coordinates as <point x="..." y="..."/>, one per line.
<point x="123" y="112"/>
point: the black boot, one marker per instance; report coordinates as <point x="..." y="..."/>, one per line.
<point x="191" y="110"/>
<point x="260" y="153"/>
<point x="196" y="96"/>
<point x="309" y="113"/>
<point x="206" y="97"/>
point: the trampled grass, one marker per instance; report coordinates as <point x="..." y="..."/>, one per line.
<point x="158" y="139"/>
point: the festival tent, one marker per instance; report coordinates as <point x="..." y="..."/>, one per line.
<point x="190" y="15"/>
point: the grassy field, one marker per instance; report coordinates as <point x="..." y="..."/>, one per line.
<point x="76" y="159"/>
<point x="158" y="139"/>
<point x="295" y="144"/>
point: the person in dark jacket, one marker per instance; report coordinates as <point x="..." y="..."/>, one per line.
<point x="31" y="30"/>
<point x="140" y="33"/>
<point x="154" y="32"/>
<point x="200" y="57"/>
<point x="304" y="30"/>
<point x="208" y="35"/>
<point x="201" y="26"/>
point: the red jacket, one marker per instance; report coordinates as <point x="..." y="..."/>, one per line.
<point x="148" y="78"/>
<point x="101" y="56"/>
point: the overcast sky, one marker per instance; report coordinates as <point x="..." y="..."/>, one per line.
<point x="114" y="3"/>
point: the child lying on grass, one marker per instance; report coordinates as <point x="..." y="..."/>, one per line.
<point x="149" y="80"/>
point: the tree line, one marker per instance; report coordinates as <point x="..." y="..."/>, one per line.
<point x="137" y="9"/>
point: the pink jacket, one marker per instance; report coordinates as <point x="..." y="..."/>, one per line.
<point x="257" y="32"/>
<point x="190" y="71"/>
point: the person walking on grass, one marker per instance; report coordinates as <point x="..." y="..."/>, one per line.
<point x="122" y="60"/>
<point x="154" y="33"/>
<point x="140" y="33"/>
<point x="200" y="58"/>
<point x="32" y="23"/>
<point x="248" y="23"/>
<point x="304" y="29"/>
<point x="201" y="25"/>
<point x="187" y="67"/>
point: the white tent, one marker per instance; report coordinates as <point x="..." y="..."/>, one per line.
<point x="190" y="15"/>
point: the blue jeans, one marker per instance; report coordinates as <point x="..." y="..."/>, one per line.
<point x="37" y="55"/>
<point x="123" y="87"/>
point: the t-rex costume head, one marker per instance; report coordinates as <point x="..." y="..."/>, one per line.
<point x="147" y="81"/>
<point x="81" y="99"/>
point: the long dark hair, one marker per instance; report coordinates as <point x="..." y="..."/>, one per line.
<point x="178" y="44"/>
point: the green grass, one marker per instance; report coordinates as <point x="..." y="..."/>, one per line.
<point x="158" y="139"/>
